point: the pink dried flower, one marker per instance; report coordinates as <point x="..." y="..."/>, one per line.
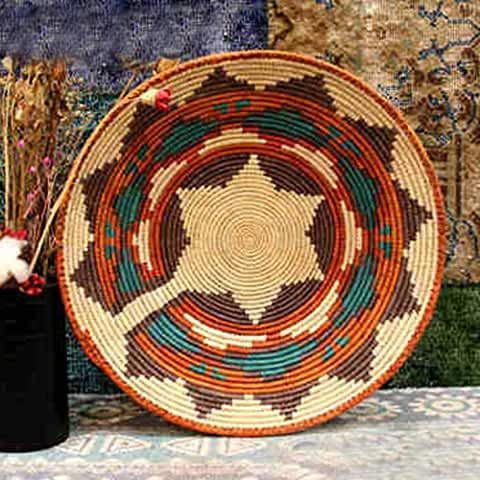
<point x="47" y="162"/>
<point x="30" y="197"/>
<point x="32" y="169"/>
<point x="21" y="143"/>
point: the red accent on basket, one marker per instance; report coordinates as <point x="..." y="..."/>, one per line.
<point x="162" y="99"/>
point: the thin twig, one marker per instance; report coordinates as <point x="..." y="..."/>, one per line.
<point x="53" y="213"/>
<point x="56" y="205"/>
<point x="126" y="88"/>
<point x="6" y="158"/>
<point x="12" y="164"/>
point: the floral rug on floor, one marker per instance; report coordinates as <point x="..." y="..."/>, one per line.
<point x="396" y="434"/>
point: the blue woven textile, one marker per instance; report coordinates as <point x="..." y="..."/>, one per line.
<point x="98" y="36"/>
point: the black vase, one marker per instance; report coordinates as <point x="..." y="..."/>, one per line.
<point x="33" y="374"/>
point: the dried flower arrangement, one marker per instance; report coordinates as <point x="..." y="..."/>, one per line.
<point x="44" y="118"/>
<point x="42" y="123"/>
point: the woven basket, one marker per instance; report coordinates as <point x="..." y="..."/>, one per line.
<point x="260" y="257"/>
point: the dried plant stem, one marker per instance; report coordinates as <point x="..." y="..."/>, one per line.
<point x="46" y="229"/>
<point x="44" y="120"/>
<point x="56" y="206"/>
<point x="6" y="152"/>
<point x="126" y="88"/>
<point x="157" y="67"/>
<point x="52" y="215"/>
<point x="12" y="176"/>
<point x="21" y="199"/>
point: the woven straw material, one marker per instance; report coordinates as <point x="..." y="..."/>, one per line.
<point x="261" y="257"/>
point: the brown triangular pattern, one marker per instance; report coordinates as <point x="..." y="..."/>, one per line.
<point x="217" y="173"/>
<point x="86" y="277"/>
<point x="286" y="402"/>
<point x="323" y="235"/>
<point x="220" y="305"/>
<point x="219" y="82"/>
<point x="402" y="300"/>
<point x="144" y="116"/>
<point x="174" y="237"/>
<point x="138" y="362"/>
<point x="358" y="365"/>
<point x="311" y="88"/>
<point x="287" y="177"/>
<point x="290" y="298"/>
<point x="207" y="400"/>
<point x="93" y="187"/>
<point x="414" y="215"/>
<point x="381" y="138"/>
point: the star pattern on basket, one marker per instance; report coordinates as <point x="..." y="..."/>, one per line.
<point x="247" y="240"/>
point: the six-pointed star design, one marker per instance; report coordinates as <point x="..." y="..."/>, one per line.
<point x="247" y="238"/>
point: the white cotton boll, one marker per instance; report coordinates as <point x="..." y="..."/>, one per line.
<point x="4" y="276"/>
<point x="10" y="263"/>
<point x="20" y="271"/>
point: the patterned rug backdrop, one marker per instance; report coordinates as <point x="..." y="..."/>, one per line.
<point x="424" y="56"/>
<point x="100" y="35"/>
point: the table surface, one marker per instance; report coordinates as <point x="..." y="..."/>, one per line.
<point x="395" y="434"/>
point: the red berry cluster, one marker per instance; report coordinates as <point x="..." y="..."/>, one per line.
<point x="17" y="234"/>
<point x="33" y="286"/>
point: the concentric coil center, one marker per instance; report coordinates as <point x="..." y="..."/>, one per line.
<point x="250" y="241"/>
